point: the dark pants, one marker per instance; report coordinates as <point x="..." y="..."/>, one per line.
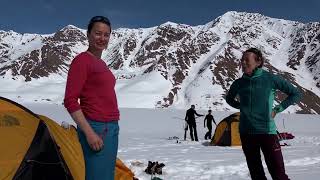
<point x="208" y="134"/>
<point x="193" y="129"/>
<point x="271" y="149"/>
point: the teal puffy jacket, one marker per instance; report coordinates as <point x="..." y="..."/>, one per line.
<point x="256" y="95"/>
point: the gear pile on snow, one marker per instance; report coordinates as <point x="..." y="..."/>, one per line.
<point x="154" y="168"/>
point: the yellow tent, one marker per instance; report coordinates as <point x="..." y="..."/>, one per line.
<point x="35" y="147"/>
<point x="227" y="132"/>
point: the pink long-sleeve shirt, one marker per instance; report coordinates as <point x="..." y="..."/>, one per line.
<point x="91" y="82"/>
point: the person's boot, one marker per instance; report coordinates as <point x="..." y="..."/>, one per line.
<point x="206" y="136"/>
<point x="195" y="136"/>
<point x="191" y="137"/>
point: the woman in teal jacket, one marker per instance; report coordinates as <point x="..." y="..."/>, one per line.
<point x="256" y="89"/>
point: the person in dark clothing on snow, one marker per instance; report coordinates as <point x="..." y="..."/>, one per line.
<point x="209" y="118"/>
<point x="256" y="91"/>
<point x="191" y="120"/>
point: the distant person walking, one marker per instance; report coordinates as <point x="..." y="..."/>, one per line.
<point x="91" y="100"/>
<point x="256" y="90"/>
<point x="209" y="119"/>
<point x="191" y="120"/>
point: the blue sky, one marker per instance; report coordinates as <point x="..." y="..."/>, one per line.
<point x="48" y="16"/>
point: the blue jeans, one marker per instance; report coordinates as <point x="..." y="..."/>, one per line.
<point x="101" y="165"/>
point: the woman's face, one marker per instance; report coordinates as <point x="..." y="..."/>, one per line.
<point x="99" y="36"/>
<point x="249" y="63"/>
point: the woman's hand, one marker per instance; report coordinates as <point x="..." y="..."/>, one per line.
<point x="95" y="142"/>
<point x="273" y="114"/>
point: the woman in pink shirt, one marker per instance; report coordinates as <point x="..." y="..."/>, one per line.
<point x="91" y="100"/>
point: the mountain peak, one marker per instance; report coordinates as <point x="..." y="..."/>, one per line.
<point x="169" y="23"/>
<point x="70" y="27"/>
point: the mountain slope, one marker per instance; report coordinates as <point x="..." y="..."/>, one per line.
<point x="170" y="65"/>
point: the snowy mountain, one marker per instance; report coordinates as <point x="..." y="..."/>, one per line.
<point x="171" y="65"/>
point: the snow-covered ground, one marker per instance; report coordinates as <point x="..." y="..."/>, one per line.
<point x="144" y="137"/>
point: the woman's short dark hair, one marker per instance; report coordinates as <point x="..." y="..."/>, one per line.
<point x="101" y="19"/>
<point x="258" y="54"/>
